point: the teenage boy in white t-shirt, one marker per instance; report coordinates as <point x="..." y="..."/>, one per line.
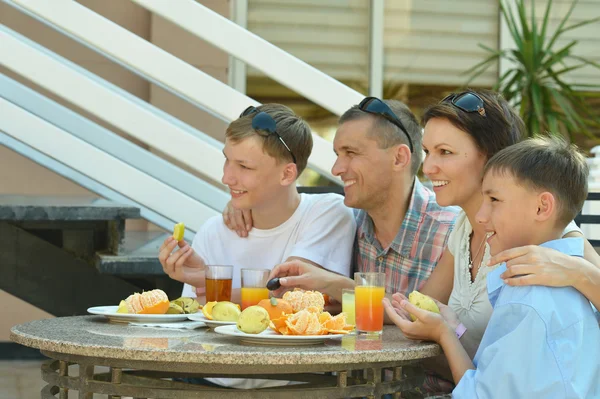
<point x="265" y="151"/>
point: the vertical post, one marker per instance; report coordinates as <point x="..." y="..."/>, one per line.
<point x="63" y="371"/>
<point x="116" y="374"/>
<point x="237" y="69"/>
<point x="397" y="377"/>
<point x="86" y="373"/>
<point x="376" y="28"/>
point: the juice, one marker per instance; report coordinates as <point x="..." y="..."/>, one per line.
<point x="369" y="308"/>
<point x="348" y="306"/>
<point x="218" y="289"/>
<point x="252" y="296"/>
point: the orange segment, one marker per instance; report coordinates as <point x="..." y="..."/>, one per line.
<point x="207" y="309"/>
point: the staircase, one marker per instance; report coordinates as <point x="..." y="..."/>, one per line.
<point x="65" y="254"/>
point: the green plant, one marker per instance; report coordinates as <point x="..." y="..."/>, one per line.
<point x="534" y="82"/>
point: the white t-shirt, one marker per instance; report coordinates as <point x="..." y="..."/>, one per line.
<point x="321" y="230"/>
<point x="469" y="299"/>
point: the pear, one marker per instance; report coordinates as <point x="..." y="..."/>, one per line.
<point x="253" y="320"/>
<point x="423" y="302"/>
<point x="174" y="308"/>
<point x="225" y="311"/>
<point x="189" y="305"/>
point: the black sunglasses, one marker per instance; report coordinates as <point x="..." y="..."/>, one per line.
<point x="373" y="105"/>
<point x="466" y="101"/>
<point x="264" y="121"/>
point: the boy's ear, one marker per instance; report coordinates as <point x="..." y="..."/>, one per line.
<point x="546" y="204"/>
<point x="402" y="156"/>
<point x="289" y="174"/>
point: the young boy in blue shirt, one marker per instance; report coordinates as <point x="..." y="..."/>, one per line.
<point x="541" y="342"/>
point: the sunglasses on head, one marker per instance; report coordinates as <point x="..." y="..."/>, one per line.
<point x="466" y="101"/>
<point x="264" y="121"/>
<point x="375" y="106"/>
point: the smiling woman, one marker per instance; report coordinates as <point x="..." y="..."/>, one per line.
<point x="458" y="141"/>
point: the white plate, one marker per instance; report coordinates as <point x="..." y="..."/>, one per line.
<point x="270" y="337"/>
<point x="111" y="313"/>
<point x="210" y="323"/>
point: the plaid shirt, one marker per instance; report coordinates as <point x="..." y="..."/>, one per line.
<point x="418" y="246"/>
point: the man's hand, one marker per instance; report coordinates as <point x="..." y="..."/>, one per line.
<point x="429" y="326"/>
<point x="183" y="265"/>
<point x="237" y="220"/>
<point x="300" y="274"/>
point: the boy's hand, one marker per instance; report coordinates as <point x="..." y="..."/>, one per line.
<point x="183" y="265"/>
<point x="237" y="220"/>
<point x="428" y="326"/>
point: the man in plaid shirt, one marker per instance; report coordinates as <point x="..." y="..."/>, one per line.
<point x="403" y="241"/>
<point x="401" y="230"/>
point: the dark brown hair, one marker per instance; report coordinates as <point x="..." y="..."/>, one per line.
<point x="548" y="164"/>
<point x="293" y="130"/>
<point x="500" y="128"/>
<point x="386" y="134"/>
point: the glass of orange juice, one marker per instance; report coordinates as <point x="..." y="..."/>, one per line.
<point x="254" y="286"/>
<point x="368" y="296"/>
<point x="348" y="305"/>
<point x="218" y="282"/>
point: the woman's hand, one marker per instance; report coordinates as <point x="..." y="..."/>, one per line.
<point x="429" y="326"/>
<point x="238" y="220"/>
<point x="297" y="273"/>
<point x="535" y="265"/>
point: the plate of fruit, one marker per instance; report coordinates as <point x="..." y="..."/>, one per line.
<point x="149" y="307"/>
<point x="296" y="319"/>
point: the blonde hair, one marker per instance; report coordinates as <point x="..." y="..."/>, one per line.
<point x="293" y="130"/>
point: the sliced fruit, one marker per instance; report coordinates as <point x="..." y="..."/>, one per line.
<point x="175" y="309"/>
<point x="122" y="307"/>
<point x="207" y="309"/>
<point x="178" y="231"/>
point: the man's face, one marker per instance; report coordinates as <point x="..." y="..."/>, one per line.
<point x="365" y="168"/>
<point x="251" y="174"/>
<point x="508" y="212"/>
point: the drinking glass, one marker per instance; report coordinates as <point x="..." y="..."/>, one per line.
<point x="369" y="292"/>
<point x="348" y="305"/>
<point x="254" y="286"/>
<point x="218" y="282"/>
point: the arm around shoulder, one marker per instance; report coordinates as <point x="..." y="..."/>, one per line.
<point x="440" y="283"/>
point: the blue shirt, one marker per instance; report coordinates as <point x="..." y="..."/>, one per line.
<point x="541" y="342"/>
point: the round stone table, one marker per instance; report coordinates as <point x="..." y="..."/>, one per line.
<point x="144" y="360"/>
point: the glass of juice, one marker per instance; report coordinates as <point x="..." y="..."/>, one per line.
<point x="368" y="295"/>
<point x="348" y="305"/>
<point x="254" y="286"/>
<point x="218" y="282"/>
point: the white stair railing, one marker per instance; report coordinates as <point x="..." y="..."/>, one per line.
<point x="113" y="144"/>
<point x="276" y="63"/>
<point x="180" y="77"/>
<point x="87" y="183"/>
<point x="40" y="67"/>
<point x="96" y="164"/>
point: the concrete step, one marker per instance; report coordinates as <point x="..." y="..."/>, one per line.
<point x="138" y="255"/>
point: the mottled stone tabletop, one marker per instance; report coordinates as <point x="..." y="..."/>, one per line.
<point x="94" y="336"/>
